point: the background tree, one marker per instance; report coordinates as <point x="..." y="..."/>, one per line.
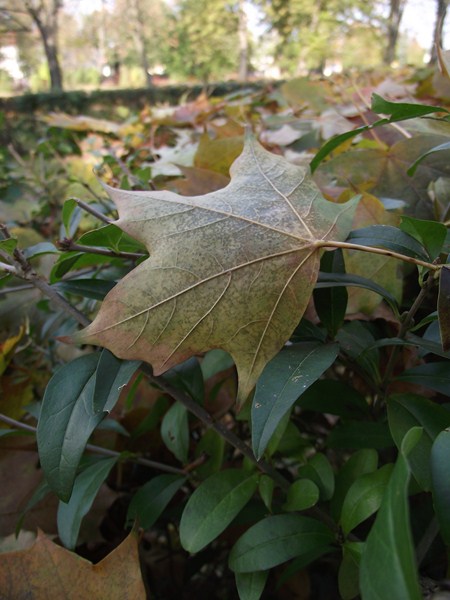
<point x="204" y="39"/>
<point x="441" y="13"/>
<point x="44" y="15"/>
<point x="396" y="8"/>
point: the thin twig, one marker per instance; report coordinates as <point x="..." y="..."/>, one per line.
<point x="68" y="245"/>
<point x="100" y="450"/>
<point x="90" y="209"/>
<point x="219" y="427"/>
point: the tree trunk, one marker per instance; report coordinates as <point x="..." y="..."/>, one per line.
<point x="140" y="40"/>
<point x="243" y="42"/>
<point x="395" y="17"/>
<point x="48" y="29"/>
<point x="441" y="12"/>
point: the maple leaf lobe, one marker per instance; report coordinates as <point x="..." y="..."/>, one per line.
<point x="232" y="269"/>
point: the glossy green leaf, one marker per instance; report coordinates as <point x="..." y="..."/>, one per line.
<point x="70" y="216"/>
<point x="391" y="238"/>
<point x="331" y="302"/>
<point x="364" y="497"/>
<point x="350" y="280"/>
<point x="359" y="463"/>
<point x="9" y="245"/>
<point x="444" y="307"/>
<point x="87" y="288"/>
<point x="283" y="380"/>
<point x="411" y="410"/>
<point x="188" y="376"/>
<point x="439" y="148"/>
<point x="302" y="494"/>
<point x="151" y="499"/>
<point x="213" y="505"/>
<point x="39" y="250"/>
<point x="275" y="540"/>
<point x="175" y="431"/>
<point x="215" y="361"/>
<point x="112" y="375"/>
<point x="393" y="573"/>
<point x="265" y="487"/>
<point x="250" y="586"/>
<point x="430" y="234"/>
<point x="66" y="422"/>
<point x="355" y="338"/>
<point x="348" y="575"/>
<point x="319" y="470"/>
<point x="213" y="446"/>
<point x="435" y="376"/>
<point x="440" y="474"/>
<point x="401" y="111"/>
<point x="278" y="434"/>
<point x="85" y="489"/>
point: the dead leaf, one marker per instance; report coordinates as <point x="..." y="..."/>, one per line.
<point x="81" y="123"/>
<point x="46" y="570"/>
<point x="379" y="269"/>
<point x="233" y="269"/>
<point x="218" y="154"/>
<point x="199" y="181"/>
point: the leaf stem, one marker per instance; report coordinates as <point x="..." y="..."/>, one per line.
<point x="349" y="246"/>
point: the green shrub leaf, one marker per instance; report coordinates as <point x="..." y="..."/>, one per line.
<point x="152" y="498"/>
<point x="213" y="505"/>
<point x="364" y="497"/>
<point x="275" y="540"/>
<point x="440" y="474"/>
<point x="85" y="489"/>
<point x="392" y="574"/>
<point x="283" y="380"/>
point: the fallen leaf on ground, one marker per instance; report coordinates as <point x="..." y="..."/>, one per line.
<point x="46" y="570"/>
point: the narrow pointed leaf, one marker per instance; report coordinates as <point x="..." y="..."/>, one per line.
<point x="66" y="422"/>
<point x="392" y="530"/>
<point x="440" y="473"/>
<point x="233" y="269"/>
<point x="282" y="382"/>
<point x="444" y="307"/>
<point x="175" y="431"/>
<point x="213" y="505"/>
<point x="390" y="238"/>
<point x="112" y="374"/>
<point x="85" y="489"/>
<point x="435" y="376"/>
<point x="331" y="303"/>
<point x="152" y="498"/>
<point x="364" y="497"/>
<point x="430" y="234"/>
<point x="250" y="586"/>
<point x="275" y="540"/>
<point x="411" y="410"/>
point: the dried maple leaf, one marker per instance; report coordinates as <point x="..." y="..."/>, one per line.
<point x="46" y="570"/>
<point x="233" y="269"/>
